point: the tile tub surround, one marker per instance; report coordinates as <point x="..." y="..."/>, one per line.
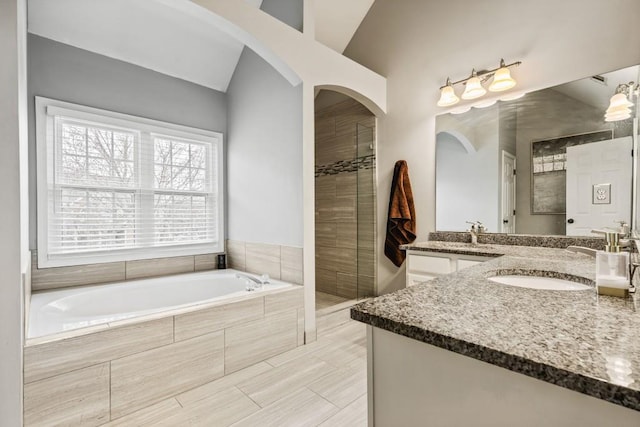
<point x="571" y="339"/>
<point x="520" y="239"/>
<point x="91" y="274"/>
<point x="89" y="379"/>
<point x="279" y="262"/>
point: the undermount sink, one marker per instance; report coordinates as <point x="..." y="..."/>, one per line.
<point x="537" y="282"/>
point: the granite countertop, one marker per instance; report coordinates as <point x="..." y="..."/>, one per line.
<point x="574" y="339"/>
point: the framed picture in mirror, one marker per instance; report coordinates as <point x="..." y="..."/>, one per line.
<point x="549" y="170"/>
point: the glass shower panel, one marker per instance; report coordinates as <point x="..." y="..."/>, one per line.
<point x="366" y="211"/>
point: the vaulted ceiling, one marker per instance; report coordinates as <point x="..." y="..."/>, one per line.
<point x="152" y="35"/>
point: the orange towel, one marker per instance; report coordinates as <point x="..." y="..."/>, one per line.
<point x="401" y="222"/>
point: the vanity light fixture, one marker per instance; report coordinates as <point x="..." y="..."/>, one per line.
<point x="447" y="95"/>
<point x="620" y="104"/>
<point x="502" y="81"/>
<point x="474" y="87"/>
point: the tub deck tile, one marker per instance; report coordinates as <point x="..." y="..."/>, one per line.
<point x="76" y="398"/>
<point x="213" y="319"/>
<point x="260" y="339"/>
<point x="145" y="378"/>
<point x="286" y="300"/>
<point x="56" y="357"/>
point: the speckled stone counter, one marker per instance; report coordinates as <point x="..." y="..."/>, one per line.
<point x="574" y="339"/>
<point x="536" y="240"/>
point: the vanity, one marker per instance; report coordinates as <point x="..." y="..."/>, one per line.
<point x="460" y="349"/>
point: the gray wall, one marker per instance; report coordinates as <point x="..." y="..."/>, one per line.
<point x="70" y="74"/>
<point x="264" y="155"/>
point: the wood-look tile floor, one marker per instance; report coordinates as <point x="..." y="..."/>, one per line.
<point x="320" y="384"/>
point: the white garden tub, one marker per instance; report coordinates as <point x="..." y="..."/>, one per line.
<point x="62" y="310"/>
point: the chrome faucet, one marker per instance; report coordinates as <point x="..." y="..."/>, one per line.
<point x="252" y="282"/>
<point x="476" y="229"/>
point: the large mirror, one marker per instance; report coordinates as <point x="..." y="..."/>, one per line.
<point x="547" y="163"/>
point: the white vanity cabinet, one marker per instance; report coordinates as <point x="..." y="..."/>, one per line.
<point x="423" y="265"/>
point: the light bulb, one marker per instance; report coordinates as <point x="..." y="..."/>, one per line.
<point x="618" y="100"/>
<point x="447" y="96"/>
<point x="474" y="88"/>
<point x="502" y="80"/>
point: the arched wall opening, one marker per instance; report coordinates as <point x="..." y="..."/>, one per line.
<point x="345" y="198"/>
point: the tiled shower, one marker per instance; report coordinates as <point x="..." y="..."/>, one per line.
<point x="345" y="200"/>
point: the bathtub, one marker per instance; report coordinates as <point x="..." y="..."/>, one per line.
<point x="53" y="312"/>
<point x="98" y="353"/>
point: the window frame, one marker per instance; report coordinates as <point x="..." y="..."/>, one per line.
<point x="46" y="111"/>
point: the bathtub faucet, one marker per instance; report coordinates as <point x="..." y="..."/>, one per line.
<point x="252" y="282"/>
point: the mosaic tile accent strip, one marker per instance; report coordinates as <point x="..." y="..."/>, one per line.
<point x="344" y="166"/>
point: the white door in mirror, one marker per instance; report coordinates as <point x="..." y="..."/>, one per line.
<point x="592" y="167"/>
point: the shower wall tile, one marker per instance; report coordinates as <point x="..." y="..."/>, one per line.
<point x="347" y="285"/>
<point x="49" y="359"/>
<point x="145" y="378"/>
<point x="366" y="262"/>
<point x="347" y="236"/>
<point x="346" y="260"/>
<point x="237" y="254"/>
<point x="142" y="268"/>
<point x="325" y="128"/>
<point x="201" y="322"/>
<point x="345" y="209"/>
<point x="263" y="258"/>
<point x="326" y="233"/>
<point x="326" y="210"/>
<point x="255" y="341"/>
<point x="61" y="277"/>
<point x="366" y="286"/>
<point x="347" y="184"/>
<point x="366" y="236"/>
<point x="326" y="280"/>
<point x="75" y="398"/>
<point x="365" y="183"/>
<point x="345" y="199"/>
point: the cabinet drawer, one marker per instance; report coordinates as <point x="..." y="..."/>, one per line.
<point x="416" y="279"/>
<point x="464" y="263"/>
<point x="429" y="264"/>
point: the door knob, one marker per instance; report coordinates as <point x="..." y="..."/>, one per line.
<point x="570" y="221"/>
<point x="505" y="221"/>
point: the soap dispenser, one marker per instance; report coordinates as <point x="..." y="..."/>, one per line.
<point x="612" y="268"/>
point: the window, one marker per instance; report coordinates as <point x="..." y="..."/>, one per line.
<point x="115" y="187"/>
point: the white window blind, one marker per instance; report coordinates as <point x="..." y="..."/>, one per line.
<point x="118" y="187"/>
